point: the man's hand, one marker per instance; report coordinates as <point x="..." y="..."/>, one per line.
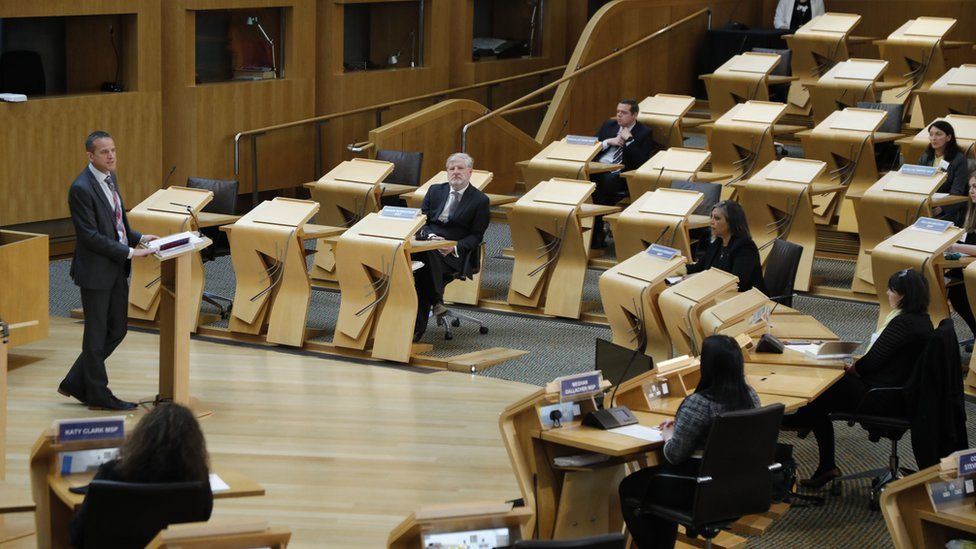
<point x="615" y="142"/>
<point x="148" y="238"/>
<point x="446" y="251"/>
<point x="624" y="136"/>
<point x="140" y="252"/>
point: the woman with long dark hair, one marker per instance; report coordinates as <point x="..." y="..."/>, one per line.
<point x="721" y="388"/>
<point x="732" y="248"/>
<point x="166" y="446"/>
<point x="944" y="154"/>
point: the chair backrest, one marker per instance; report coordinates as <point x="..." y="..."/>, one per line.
<point x="130" y="514"/>
<point x="225" y="194"/>
<point x="741" y="446"/>
<point x="712" y="192"/>
<point x="896" y="112"/>
<point x="781" y="265"/>
<point x="786" y="56"/>
<point x="22" y="71"/>
<point x="605" y="541"/>
<point x="406" y="170"/>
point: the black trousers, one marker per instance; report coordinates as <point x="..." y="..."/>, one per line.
<point x="646" y="487"/>
<point x="430" y="280"/>
<point x="106" y="323"/>
<point x="960" y="303"/>
<point x="610" y="188"/>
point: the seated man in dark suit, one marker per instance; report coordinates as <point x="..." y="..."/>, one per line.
<point x="457" y="211"/>
<point x="625" y="141"/>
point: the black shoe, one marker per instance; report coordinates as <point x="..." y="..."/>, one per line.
<point x="818" y="481"/>
<point x="64" y="391"/>
<point x="113" y="404"/>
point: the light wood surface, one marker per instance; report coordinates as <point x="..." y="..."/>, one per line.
<point x="912" y="521"/>
<point x="216" y="536"/>
<point x="742" y="78"/>
<point x="741" y="140"/>
<point x="24" y="285"/>
<point x="845" y="84"/>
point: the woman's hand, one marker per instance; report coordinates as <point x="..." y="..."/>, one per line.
<point x="667" y="429"/>
<point x="849" y="366"/>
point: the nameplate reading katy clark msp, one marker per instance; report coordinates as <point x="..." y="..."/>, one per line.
<point x="914" y="169"/>
<point x="932" y="225"/>
<point x="967" y="463"/>
<point x="398" y="212"/>
<point x="580" y="385"/>
<point x="662" y="252"/>
<point x="103" y="428"/>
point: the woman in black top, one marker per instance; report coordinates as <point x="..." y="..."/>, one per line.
<point x="166" y="446"/>
<point x="732" y="248"/>
<point x="721" y="388"/>
<point x="957" y="291"/>
<point x="944" y="154"/>
<point x="889" y="362"/>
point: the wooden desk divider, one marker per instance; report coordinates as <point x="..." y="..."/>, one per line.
<point x="268" y="254"/>
<point x="969" y="278"/>
<point x="744" y="77"/>
<point x="682" y="304"/>
<point x="551" y="246"/>
<point x="845" y="141"/>
<point x="915" y="53"/>
<point x="646" y="392"/>
<point x="664" y="166"/>
<point x="778" y="202"/>
<point x="163" y="213"/>
<point x="221" y="533"/>
<point x="741" y="140"/>
<point x="844" y="85"/>
<point x="663" y="114"/>
<point x="816" y="47"/>
<point x="965" y="126"/>
<point x="629" y="292"/>
<point x="560" y="159"/>
<point x="24" y="298"/>
<point x="912" y="248"/>
<point x="887" y="207"/>
<point x="953" y="93"/>
<point x="432" y="519"/>
<point x="345" y="195"/>
<point x="659" y="217"/>
<point x="744" y="313"/>
<point x="379" y="302"/>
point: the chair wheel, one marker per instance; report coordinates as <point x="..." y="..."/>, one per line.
<point x="448" y="336"/>
<point x="483" y="330"/>
<point x="456" y="322"/>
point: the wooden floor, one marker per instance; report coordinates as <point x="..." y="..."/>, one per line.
<point x="344" y="450"/>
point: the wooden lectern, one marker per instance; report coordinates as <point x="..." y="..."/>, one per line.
<point x="682" y="304"/>
<point x="965" y="126"/>
<point x="816" y="47"/>
<point x="846" y="84"/>
<point x="550" y="246"/>
<point x="379" y="302"/>
<point x="629" y="292"/>
<point x="845" y="141"/>
<point x="163" y="213"/>
<point x="915" y="53"/>
<point x="741" y="140"/>
<point x="663" y="167"/>
<point x="663" y="113"/>
<point x="744" y="77"/>
<point x="561" y="159"/>
<point x="268" y="254"/>
<point x="953" y="93"/>
<point x="437" y="519"/>
<point x="916" y="249"/>
<point x="660" y="217"/>
<point x="345" y="195"/>
<point x="887" y="207"/>
<point x="744" y="313"/>
<point x="24" y="282"/>
<point x="778" y="202"/>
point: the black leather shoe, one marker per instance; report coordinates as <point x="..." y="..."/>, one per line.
<point x="113" y="404"/>
<point x="820" y="480"/>
<point x="63" y="391"/>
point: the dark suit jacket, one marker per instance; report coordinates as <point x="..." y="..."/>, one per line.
<point x="466" y="225"/>
<point x="956" y="184"/>
<point x="741" y="258"/>
<point x="637" y="150"/>
<point x="99" y="256"/>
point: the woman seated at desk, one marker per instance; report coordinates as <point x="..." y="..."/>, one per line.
<point x="957" y="289"/>
<point x="944" y="154"/>
<point x="732" y="248"/>
<point x="166" y="446"/>
<point x="721" y="388"/>
<point x="889" y="361"/>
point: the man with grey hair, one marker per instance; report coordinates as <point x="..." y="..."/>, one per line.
<point x="456" y="211"/>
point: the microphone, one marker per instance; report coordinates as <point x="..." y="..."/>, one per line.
<point x="192" y="215"/>
<point x="170" y="174"/>
<point x="556" y="416"/>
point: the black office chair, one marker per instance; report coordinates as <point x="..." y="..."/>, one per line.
<point x="224" y="202"/>
<point x="887" y="155"/>
<point x="780" y="274"/>
<point x="605" y="541"/>
<point x="735" y="476"/>
<point x="22" y="71"/>
<point x="447" y="318"/>
<point x="129" y="514"/>
<point x="779" y="92"/>
<point x="406" y="166"/>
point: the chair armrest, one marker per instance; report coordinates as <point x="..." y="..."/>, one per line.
<point x="875" y="391"/>
<point x="698" y="480"/>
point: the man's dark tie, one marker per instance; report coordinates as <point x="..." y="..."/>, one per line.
<point x="116" y="203"/>
<point x="449" y="207"/>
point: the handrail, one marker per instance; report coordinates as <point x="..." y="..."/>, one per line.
<point x="501" y="110"/>
<point x="380" y="106"/>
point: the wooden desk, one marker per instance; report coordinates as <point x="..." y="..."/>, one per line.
<point x="208" y="219"/>
<point x="794" y="326"/>
<point x="592" y="439"/>
<point x="911" y="520"/>
<point x="793" y="381"/>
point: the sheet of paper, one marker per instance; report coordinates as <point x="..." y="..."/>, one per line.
<point x="217" y="484"/>
<point x="641" y="432"/>
<point x="808" y="348"/>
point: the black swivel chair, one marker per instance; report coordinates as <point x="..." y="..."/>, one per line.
<point x="886" y="155"/>
<point x="605" y="541"/>
<point x="713" y="194"/>
<point x="781" y="266"/>
<point x="735" y="475"/>
<point x="129" y="514"/>
<point x="406" y="171"/>
<point x="450" y="318"/>
<point x="22" y="71"/>
<point x="224" y="202"/>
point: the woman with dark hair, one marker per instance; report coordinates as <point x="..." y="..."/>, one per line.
<point x="721" y="388"/>
<point x="888" y="362"/>
<point x="957" y="290"/>
<point x="944" y="154"/>
<point x="166" y="446"/>
<point x="732" y="248"/>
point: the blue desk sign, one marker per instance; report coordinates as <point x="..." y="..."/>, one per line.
<point x="915" y="169"/>
<point x="580" y="140"/>
<point x="967" y="463"/>
<point x="97" y="428"/>
<point x="932" y="225"/>
<point x="580" y="385"/>
<point x="662" y="252"/>
<point x="398" y="212"/>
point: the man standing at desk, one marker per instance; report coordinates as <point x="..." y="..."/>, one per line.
<point x="104" y="246"/>
<point x="625" y="141"/>
<point x="457" y="211"/>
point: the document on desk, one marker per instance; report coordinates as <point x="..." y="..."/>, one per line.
<point x="217" y="484"/>
<point x="649" y="434"/>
